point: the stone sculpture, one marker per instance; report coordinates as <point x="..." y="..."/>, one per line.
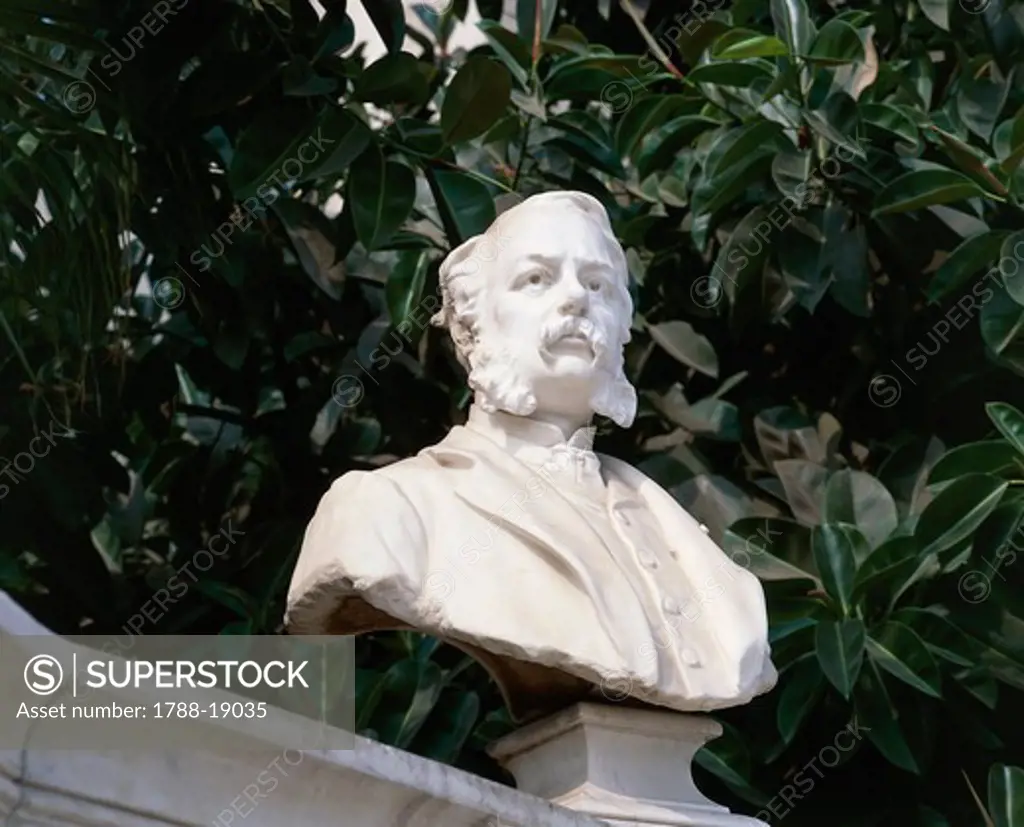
<point x="567" y="573"/>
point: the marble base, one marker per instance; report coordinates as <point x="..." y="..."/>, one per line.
<point x="624" y="765"/>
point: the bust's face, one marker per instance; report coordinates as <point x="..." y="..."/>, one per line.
<point x="554" y="305"/>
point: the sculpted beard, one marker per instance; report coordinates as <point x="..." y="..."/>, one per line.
<point x="499" y="384"/>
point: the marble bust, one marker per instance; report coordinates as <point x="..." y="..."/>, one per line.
<point x="565" y="572"/>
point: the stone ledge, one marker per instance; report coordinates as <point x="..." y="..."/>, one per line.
<point x="371" y="786"/>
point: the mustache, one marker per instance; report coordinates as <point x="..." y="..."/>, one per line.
<point x="558" y="329"/>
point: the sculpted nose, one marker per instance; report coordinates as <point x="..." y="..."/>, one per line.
<point x="575" y="299"/>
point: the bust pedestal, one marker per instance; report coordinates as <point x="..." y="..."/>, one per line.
<point x="623" y="765"/>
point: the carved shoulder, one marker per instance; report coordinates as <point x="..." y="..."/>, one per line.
<point x="366" y="537"/>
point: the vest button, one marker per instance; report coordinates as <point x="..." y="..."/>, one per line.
<point x="648" y="560"/>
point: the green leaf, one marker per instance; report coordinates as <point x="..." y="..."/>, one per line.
<point x="741" y="260"/>
<point x="404" y="294"/>
<point x="925" y="188"/>
<point x="858" y="498"/>
<point x="741" y="75"/>
<point x="880" y="719"/>
<point x="1002" y="320"/>
<point x="1006" y="796"/>
<point x="411" y="689"/>
<point x="464" y="203"/>
<point x="975" y="163"/>
<point x="685" y="344"/>
<point x="793" y="24"/>
<point x="313" y="238"/>
<point x="1009" y="421"/>
<point x="345" y="136"/>
<point x="802" y="687"/>
<point x="272" y="138"/>
<point x="388" y="17"/>
<point x="957" y="511"/>
<point x="840" y="649"/>
<point x="773" y="549"/>
<point x="658" y="150"/>
<point x="475" y="100"/>
<point x="728" y="758"/>
<point x="395" y="78"/>
<point x="972" y="255"/>
<point x="527" y="14"/>
<point x="993" y="457"/>
<point x="892" y="120"/>
<point x="937" y="11"/>
<point x="335" y="32"/>
<point x="449" y="726"/>
<point x="979" y="102"/>
<point x="737" y="145"/>
<point x="837" y="43"/>
<point x="803" y="482"/>
<point x="890" y="570"/>
<point x="381" y="194"/>
<point x="512" y="51"/>
<point x="646" y="115"/>
<point x="1008" y="143"/>
<point x="833" y="547"/>
<point x="900" y="652"/>
<point x="1013" y="252"/>
<point x="737" y="44"/>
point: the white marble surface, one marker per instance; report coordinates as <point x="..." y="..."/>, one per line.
<point x="512" y="535"/>
<point x="626" y="766"/>
<point x="370" y="786"/>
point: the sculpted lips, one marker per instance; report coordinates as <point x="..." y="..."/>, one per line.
<point x="575" y="342"/>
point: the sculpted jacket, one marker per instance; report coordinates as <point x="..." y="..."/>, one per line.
<point x="563" y="571"/>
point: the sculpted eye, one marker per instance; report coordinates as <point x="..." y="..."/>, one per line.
<point x="535" y="278"/>
<point x="595" y="285"/>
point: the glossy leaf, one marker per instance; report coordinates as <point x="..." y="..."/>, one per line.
<point x="395" y="78"/>
<point x="840" y="649"/>
<point x="1011" y="265"/>
<point x="937" y="11"/>
<point x="859" y="499"/>
<point x="684" y="344"/>
<point x="388" y="18"/>
<point x="1006" y="795"/>
<point x="772" y="549"/>
<point x="737" y="44"/>
<point x="465" y="204"/>
<point x="793" y="24"/>
<point x="837" y="562"/>
<point x="475" y="100"/>
<point x="381" y="194"/>
<point x="1002" y="320"/>
<point x="923" y="188"/>
<point x="899" y="651"/>
<point x="881" y="721"/>
<point x="994" y="457"/>
<point x="957" y="511"/>
<point x="979" y="252"/>
<point x="802" y="686"/>
<point x="1009" y="421"/>
<point x="837" y="43"/>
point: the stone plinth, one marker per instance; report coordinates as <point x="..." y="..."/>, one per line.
<point x="624" y="765"/>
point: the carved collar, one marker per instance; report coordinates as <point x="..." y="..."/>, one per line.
<point x="540" y="444"/>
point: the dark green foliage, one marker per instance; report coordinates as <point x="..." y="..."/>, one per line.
<point x="821" y="205"/>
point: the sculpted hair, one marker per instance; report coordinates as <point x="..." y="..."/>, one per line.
<point x="461" y="275"/>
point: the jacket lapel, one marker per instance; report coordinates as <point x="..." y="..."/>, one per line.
<point x="516" y="498"/>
